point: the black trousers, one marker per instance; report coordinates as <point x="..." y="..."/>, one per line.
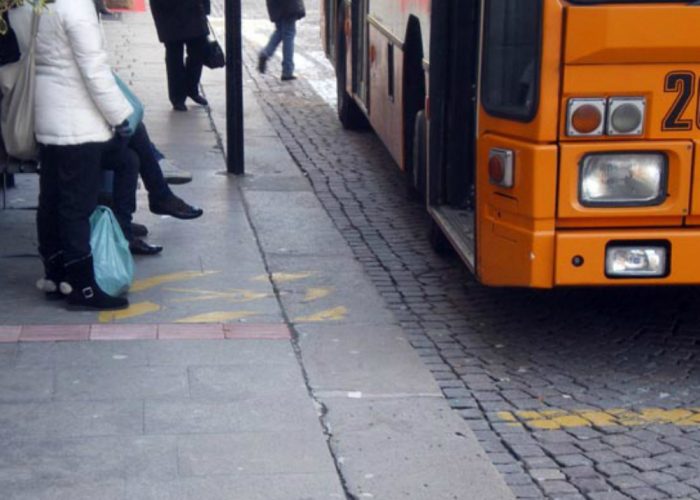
<point x="125" y="164"/>
<point x="184" y="75"/>
<point x="69" y="183"/>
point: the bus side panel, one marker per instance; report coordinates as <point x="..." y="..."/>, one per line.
<point x="543" y="128"/>
<point x="515" y="244"/>
<point x="386" y="94"/>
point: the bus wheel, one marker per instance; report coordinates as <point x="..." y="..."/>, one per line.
<point x="416" y="178"/>
<point x="349" y="113"/>
<point x="438" y="241"/>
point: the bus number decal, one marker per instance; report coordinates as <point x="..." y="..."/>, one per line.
<point x="683" y="83"/>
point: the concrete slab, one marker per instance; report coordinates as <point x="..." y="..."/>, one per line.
<point x="370" y="360"/>
<point x="71" y="419"/>
<point x="254" y="453"/>
<point x="248" y="486"/>
<point x="421" y="450"/>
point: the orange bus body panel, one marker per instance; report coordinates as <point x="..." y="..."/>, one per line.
<point x="632" y="80"/>
<point x="517" y="225"/>
<point x="694" y="218"/>
<point x="616" y="34"/>
<point x="591" y="245"/>
<point x="544" y="127"/>
<point x="672" y="210"/>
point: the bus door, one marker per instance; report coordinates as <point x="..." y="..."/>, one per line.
<point x="452" y="122"/>
<point x="360" y="52"/>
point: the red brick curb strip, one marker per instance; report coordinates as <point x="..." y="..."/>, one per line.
<point x="164" y="331"/>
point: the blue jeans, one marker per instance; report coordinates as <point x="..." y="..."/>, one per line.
<point x="285" y="31"/>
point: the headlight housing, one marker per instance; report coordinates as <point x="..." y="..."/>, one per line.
<point x="637" y="260"/>
<point x="623" y="179"/>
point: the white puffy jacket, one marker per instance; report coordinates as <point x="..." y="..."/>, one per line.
<point x="77" y="99"/>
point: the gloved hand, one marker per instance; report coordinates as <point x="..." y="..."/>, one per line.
<point x="123" y="130"/>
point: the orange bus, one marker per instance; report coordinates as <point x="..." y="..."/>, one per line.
<point x="554" y="142"/>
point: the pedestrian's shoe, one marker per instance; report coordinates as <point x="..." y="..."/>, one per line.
<point x="140" y="247"/>
<point x="287" y="78"/>
<point x="175" y="207"/>
<point x="139" y="230"/>
<point x="262" y="62"/>
<point x="54" y="274"/>
<point x="179" y="106"/>
<point x="199" y="99"/>
<point x="83" y="291"/>
<point x="173" y="174"/>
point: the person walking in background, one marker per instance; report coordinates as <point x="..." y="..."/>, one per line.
<point x="78" y="109"/>
<point x="180" y="24"/>
<point x="285" y="14"/>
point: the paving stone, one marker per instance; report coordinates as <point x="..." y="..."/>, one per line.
<point x="553" y="488"/>
<point x="590" y="484"/>
<point x="677" y="489"/>
<point x="573" y="460"/>
<point x="626" y="482"/>
<point x="655" y="477"/>
<point x="541" y="475"/>
<point x="608" y="495"/>
<point x="645" y="493"/>
<point x="647" y="464"/>
<point x="580" y="472"/>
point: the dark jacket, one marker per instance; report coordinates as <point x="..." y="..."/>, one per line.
<point x="178" y="20"/>
<point x="280" y="10"/>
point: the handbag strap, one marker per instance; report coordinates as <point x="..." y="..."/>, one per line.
<point x="36" y="15"/>
<point x="211" y="30"/>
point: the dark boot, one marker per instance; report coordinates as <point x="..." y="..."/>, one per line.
<point x="82" y="290"/>
<point x="54" y="274"/>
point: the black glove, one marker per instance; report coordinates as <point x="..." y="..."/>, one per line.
<point x="123" y="130"/>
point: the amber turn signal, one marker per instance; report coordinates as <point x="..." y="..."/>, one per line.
<point x="586" y="119"/>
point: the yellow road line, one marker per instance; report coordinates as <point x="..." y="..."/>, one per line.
<point x="233" y="295"/>
<point x="284" y="277"/>
<point x="133" y="311"/>
<point x="216" y="317"/>
<point x="145" y="284"/>
<point x="313" y="294"/>
<point x="335" y="314"/>
<point x="561" y="419"/>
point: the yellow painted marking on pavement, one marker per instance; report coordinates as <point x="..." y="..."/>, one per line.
<point x="153" y="281"/>
<point x="216" y="317"/>
<point x="133" y="311"/>
<point x="335" y="314"/>
<point x="560" y="419"/>
<point x="233" y="295"/>
<point x="283" y="277"/>
<point x="317" y="294"/>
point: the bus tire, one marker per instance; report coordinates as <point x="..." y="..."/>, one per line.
<point x="349" y="112"/>
<point x="416" y="178"/>
<point x="438" y="241"/>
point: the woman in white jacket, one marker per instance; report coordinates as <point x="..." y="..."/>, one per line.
<point x="78" y="108"/>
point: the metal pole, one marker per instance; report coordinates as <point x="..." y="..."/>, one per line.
<point x="235" y="162"/>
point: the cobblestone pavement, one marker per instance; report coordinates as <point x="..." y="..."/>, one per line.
<point x="574" y="393"/>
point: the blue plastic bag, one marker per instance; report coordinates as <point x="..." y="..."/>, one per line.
<point x="114" y="265"/>
<point x="136" y="117"/>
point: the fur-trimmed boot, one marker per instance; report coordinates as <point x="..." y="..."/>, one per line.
<point x="54" y="274"/>
<point x="83" y="291"/>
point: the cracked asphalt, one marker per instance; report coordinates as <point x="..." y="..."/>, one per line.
<point x="575" y="394"/>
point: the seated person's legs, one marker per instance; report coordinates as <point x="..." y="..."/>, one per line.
<point x="162" y="200"/>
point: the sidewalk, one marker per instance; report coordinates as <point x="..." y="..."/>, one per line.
<point x="262" y="362"/>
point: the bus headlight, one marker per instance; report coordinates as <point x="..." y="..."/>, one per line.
<point x="623" y="179"/>
<point x="626" y="260"/>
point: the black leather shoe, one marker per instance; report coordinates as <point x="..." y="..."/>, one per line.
<point x="199" y="99"/>
<point x="287" y="78"/>
<point x="139" y="230"/>
<point x="140" y="247"/>
<point x="175" y="207"/>
<point x="262" y="62"/>
<point x="180" y="106"/>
